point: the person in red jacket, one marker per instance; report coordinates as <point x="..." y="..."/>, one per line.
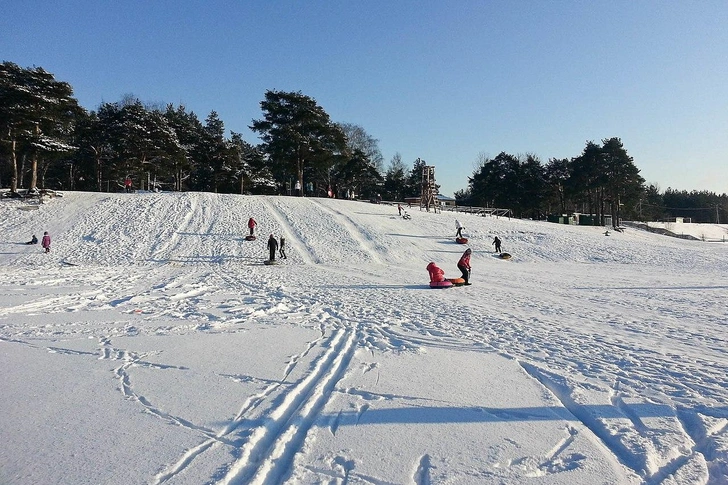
<point x="464" y="265"/>
<point x="251" y="225"/>
<point x="436" y="274"/>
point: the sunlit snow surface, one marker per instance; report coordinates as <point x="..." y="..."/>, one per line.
<point x="151" y="345"/>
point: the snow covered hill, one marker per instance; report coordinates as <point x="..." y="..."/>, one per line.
<point x="584" y="359"/>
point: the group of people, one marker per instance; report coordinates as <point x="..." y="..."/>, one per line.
<point x="437" y="274"/>
<point x="459" y="233"/>
<point x="45" y="242"/>
<point x="273" y="245"/>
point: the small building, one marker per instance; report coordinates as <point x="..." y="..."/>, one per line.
<point x="562" y="218"/>
<point x="446" y="201"/>
<point x="587" y="219"/>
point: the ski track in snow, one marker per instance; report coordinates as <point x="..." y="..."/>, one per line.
<point x="590" y="359"/>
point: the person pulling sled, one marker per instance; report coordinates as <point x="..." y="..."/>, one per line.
<point x="464" y="265"/>
<point x="272" y="247"/>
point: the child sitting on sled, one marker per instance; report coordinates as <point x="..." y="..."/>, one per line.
<point x="436" y="274"/>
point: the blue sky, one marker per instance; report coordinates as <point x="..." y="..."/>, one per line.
<point x="442" y="81"/>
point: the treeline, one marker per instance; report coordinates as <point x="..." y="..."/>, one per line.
<point x="699" y="206"/>
<point x="602" y="180"/>
<point x="47" y="140"/>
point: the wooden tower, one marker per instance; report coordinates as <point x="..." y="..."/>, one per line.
<point x="428" y="195"/>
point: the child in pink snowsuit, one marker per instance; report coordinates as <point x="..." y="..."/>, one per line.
<point x="436" y="274"/>
<point x="46" y="242"/>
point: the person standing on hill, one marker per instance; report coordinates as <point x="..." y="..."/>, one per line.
<point x="282" y="248"/>
<point x="464" y="265"/>
<point x="46" y="242"/>
<point x="497" y="243"/>
<point x="251" y="225"/>
<point x="459" y="227"/>
<point x="272" y="247"/>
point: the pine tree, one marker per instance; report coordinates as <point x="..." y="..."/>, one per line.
<point x="37" y="111"/>
<point x="297" y="133"/>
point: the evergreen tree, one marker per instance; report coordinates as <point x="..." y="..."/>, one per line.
<point x="251" y="172"/>
<point x="533" y="186"/>
<point x="92" y="157"/>
<point x="211" y="155"/>
<point x="395" y="179"/>
<point x="359" y="175"/>
<point x="624" y="185"/>
<point x="413" y="188"/>
<point x="141" y="142"/>
<point x="650" y="207"/>
<point x="494" y="183"/>
<point x="586" y="180"/>
<point x="190" y="134"/>
<point x="557" y="173"/>
<point x="297" y="133"/>
<point x="37" y="112"/>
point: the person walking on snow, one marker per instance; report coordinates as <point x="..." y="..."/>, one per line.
<point x="251" y="225"/>
<point x="399" y="208"/>
<point x="46" y="242"/>
<point x="497" y="243"/>
<point x="272" y="247"/>
<point x="459" y="232"/>
<point x="464" y="265"/>
<point x="282" y="248"/>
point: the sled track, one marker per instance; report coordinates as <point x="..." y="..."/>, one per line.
<point x="291" y="235"/>
<point x="355" y="230"/>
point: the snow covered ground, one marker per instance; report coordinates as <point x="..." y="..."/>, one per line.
<point x="153" y="346"/>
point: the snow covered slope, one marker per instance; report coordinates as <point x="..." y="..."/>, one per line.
<point x="584" y="359"/>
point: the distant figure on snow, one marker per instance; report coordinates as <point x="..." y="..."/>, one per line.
<point x="282" y="248"/>
<point x="464" y="265"/>
<point x="251" y="225"/>
<point x="127" y="184"/>
<point x="46" y="242"/>
<point x="399" y="208"/>
<point x="436" y="273"/>
<point x="272" y="247"/>
<point x="33" y="240"/>
<point x="497" y="243"/>
<point x="459" y="227"/>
